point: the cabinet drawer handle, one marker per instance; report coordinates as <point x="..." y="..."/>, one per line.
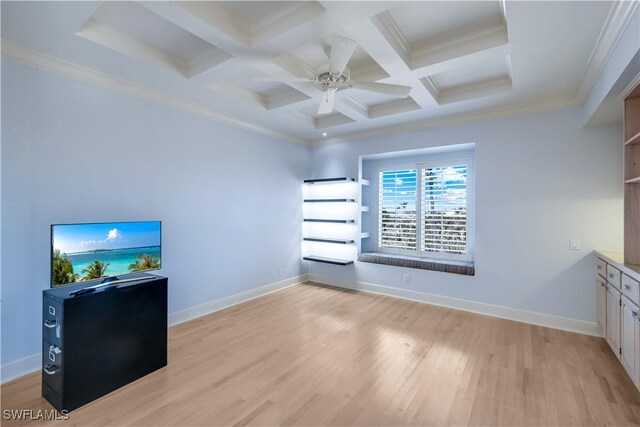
<point x="49" y="369"/>
<point x="611" y="275"/>
<point x="627" y="287"/>
<point x="50" y="324"/>
<point x="599" y="267"/>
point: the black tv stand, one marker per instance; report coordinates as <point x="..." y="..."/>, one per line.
<point x="94" y="342"/>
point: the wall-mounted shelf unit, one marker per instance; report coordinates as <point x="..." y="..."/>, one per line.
<point x="329" y="200"/>
<point x="323" y="240"/>
<point x="330" y="210"/>
<point x="327" y="260"/>
<point x="330" y="221"/>
<point x="632" y="177"/>
<point x="329" y="180"/>
<point x="363" y="209"/>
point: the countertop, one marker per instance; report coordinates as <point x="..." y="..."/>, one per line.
<point x="617" y="260"/>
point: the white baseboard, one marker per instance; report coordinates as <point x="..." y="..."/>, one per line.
<point x="18" y="368"/>
<point x="12" y="370"/>
<point x="533" y="318"/>
<point x="222" y="303"/>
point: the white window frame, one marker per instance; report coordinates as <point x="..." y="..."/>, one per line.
<point x="396" y="251"/>
<point x="470" y="198"/>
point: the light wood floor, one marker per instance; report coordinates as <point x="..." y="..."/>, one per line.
<point x="315" y="355"/>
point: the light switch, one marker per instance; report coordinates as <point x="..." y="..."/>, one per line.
<point x="574" y="244"/>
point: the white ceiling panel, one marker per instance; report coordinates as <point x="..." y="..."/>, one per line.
<point x="459" y="58"/>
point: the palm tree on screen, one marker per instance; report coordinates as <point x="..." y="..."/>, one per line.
<point x="95" y="270"/>
<point x="145" y="262"/>
<point x="62" y="269"/>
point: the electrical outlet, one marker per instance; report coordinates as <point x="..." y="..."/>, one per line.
<point x="574" y="244"/>
<point x="406" y="279"/>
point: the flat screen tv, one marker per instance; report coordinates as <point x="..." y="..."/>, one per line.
<point x="82" y="252"/>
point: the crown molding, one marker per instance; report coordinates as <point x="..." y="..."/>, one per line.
<point x="105" y="81"/>
<point x="358" y="103"/>
<point x="619" y="16"/>
<point x="630" y="87"/>
<point x="279" y="23"/>
<point x="331" y="120"/>
<point x="113" y="39"/>
<point x="475" y="90"/>
<point x="394" y="32"/>
<point x="464" y="118"/>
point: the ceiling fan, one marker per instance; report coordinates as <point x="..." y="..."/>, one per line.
<point x="336" y="76"/>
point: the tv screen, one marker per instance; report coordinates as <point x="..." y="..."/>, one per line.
<point x="81" y="252"/>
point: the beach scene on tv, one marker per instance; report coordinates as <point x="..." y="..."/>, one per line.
<point x="91" y="251"/>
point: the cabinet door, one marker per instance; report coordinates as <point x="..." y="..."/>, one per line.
<point x="601" y="290"/>
<point x="629" y="337"/>
<point x="613" y="319"/>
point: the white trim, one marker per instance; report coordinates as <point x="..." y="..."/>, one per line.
<point x="459" y="119"/>
<point x="402" y="45"/>
<point x="105" y="81"/>
<point x="630" y="87"/>
<point x="220" y="304"/>
<point x="18" y="368"/>
<point x="91" y="76"/>
<point x="530" y="317"/>
<point x="616" y="23"/>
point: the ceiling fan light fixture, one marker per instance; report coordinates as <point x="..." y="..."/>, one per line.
<point x="335" y="76"/>
<point x="327" y="101"/>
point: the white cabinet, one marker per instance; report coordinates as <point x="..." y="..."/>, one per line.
<point x="601" y="301"/>
<point x="601" y="267"/>
<point x="618" y="312"/>
<point x="629" y="338"/>
<point x="613" y="319"/>
<point x="613" y="276"/>
<point x="631" y="289"/>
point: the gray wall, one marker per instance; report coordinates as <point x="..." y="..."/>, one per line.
<point x="229" y="199"/>
<point x="541" y="179"/>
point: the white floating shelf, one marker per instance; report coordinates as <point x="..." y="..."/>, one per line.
<point x="364" y="182"/>
<point x="364" y="235"/>
<point x="633" y="181"/>
<point x="364" y="208"/>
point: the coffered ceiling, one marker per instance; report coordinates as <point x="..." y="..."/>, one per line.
<point x="462" y="60"/>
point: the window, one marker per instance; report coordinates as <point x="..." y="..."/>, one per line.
<point x="397" y="212"/>
<point x="424" y="210"/>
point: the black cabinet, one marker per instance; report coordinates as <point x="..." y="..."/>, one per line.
<point x="95" y="343"/>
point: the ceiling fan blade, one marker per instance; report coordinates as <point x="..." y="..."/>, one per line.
<point x="281" y="79"/>
<point x="326" y="103"/>
<point x="341" y="50"/>
<point x="384" y="88"/>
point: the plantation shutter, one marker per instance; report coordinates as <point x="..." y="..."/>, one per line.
<point x="397" y="214"/>
<point x="443" y="222"/>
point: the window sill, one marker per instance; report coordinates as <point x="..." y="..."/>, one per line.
<point x="455" y="267"/>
